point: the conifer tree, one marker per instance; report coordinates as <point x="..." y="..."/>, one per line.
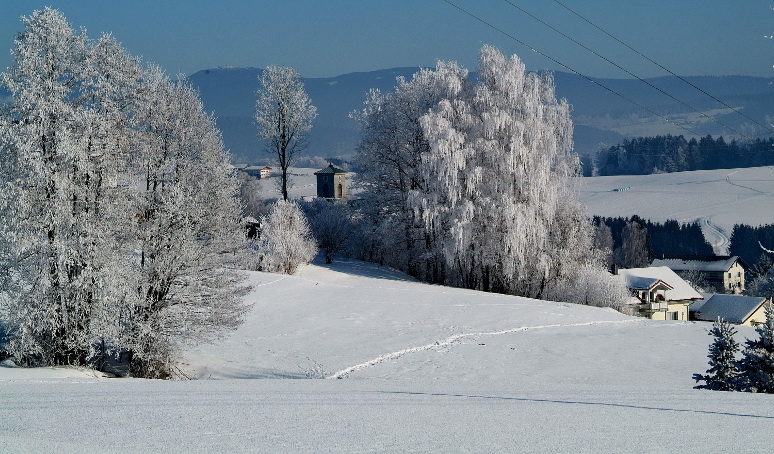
<point x="757" y="364"/>
<point x="723" y="373"/>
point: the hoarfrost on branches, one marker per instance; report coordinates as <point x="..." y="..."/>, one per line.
<point x="471" y="184"/>
<point x="286" y="240"/>
<point x="284" y="114"/>
<point x="121" y="223"/>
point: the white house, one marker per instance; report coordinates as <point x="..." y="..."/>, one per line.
<point x="660" y="293"/>
<point x="725" y="273"/>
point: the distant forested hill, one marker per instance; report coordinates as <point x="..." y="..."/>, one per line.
<point x="600" y="116"/>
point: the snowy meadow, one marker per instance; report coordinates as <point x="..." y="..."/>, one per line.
<point x="127" y="247"/>
<point x="353" y="357"/>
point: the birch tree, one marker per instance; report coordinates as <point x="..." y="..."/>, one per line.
<point x="499" y="174"/>
<point x="389" y="157"/>
<point x="284" y="114"/>
<point x="491" y="172"/>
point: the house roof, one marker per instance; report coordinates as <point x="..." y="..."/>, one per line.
<point x="330" y="170"/>
<point x="716" y="263"/>
<point x="646" y="283"/>
<point x="731" y="308"/>
<point x="644" y="278"/>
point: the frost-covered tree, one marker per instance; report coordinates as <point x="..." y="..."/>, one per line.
<point x="187" y="230"/>
<point x="499" y="196"/>
<point x="284" y="114"/>
<point x="286" y="240"/>
<point x="253" y="204"/>
<point x="756" y="368"/>
<point x="634" y="252"/>
<point x="120" y="217"/>
<point x="723" y="373"/>
<point x="473" y="179"/>
<point x="389" y="156"/>
<point x="60" y="202"/>
<point x="331" y="225"/>
<point x="603" y="242"/>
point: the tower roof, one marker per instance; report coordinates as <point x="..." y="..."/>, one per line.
<point x="330" y="170"/>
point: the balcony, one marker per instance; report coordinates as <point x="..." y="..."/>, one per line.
<point x="655" y="306"/>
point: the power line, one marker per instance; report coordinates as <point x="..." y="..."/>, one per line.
<point x="601" y="85"/>
<point x="660" y="66"/>
<point x="626" y="70"/>
<point x="503" y="32"/>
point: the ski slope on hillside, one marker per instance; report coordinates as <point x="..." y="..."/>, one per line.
<point x="717" y="199"/>
<point x="353" y="357"/>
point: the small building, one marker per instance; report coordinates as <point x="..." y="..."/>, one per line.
<point x="331" y="183"/>
<point x="738" y="309"/>
<point x="260" y="172"/>
<point x="725" y="273"/>
<point x="660" y="293"/>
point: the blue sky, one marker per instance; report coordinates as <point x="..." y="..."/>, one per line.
<point x="323" y="38"/>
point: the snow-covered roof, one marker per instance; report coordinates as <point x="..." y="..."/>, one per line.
<point x="646" y="283"/>
<point x="731" y="308"/>
<point x="719" y="263"/>
<point x="330" y="169"/>
<point x="638" y="279"/>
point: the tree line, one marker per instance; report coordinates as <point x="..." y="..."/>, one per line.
<point x="648" y="155"/>
<point x="746" y="242"/>
<point x="635" y="242"/>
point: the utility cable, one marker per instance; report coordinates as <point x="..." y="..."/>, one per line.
<point x="661" y="66"/>
<point x="597" y="83"/>
<point x="626" y="70"/>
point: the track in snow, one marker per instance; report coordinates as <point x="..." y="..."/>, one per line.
<point x="458" y="337"/>
<point x="716" y="237"/>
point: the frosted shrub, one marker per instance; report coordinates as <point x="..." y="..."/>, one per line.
<point x="286" y="240"/>
<point x="593" y="286"/>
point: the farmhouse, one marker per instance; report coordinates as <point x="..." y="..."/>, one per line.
<point x="331" y="183"/>
<point x="742" y="310"/>
<point x="659" y="293"/>
<point x="725" y="273"/>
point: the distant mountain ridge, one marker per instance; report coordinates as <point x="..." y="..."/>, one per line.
<point x="600" y="116"/>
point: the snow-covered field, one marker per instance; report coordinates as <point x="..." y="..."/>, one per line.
<point x="717" y="199"/>
<point x="303" y="184"/>
<point x="422" y="368"/>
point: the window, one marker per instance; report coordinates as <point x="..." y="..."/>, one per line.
<point x="672" y="315"/>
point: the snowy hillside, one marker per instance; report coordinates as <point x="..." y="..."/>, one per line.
<point x="717" y="199"/>
<point x="423" y="368"/>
